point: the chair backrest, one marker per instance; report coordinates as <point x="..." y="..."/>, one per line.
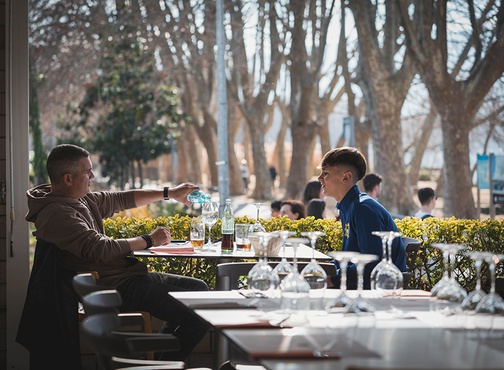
<point x="228" y="274"/>
<point x="84" y="284"/>
<point x="411" y="247"/>
<point x="102" y="301"/>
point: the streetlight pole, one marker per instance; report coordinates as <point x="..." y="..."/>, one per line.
<point x="222" y="132"/>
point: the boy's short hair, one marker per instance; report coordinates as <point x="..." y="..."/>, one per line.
<point x="425" y="195"/>
<point x="346" y="156"/>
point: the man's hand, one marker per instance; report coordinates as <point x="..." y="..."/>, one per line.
<point x="180" y="192"/>
<point x="161" y="236"/>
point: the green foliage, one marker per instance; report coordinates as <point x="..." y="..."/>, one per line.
<point x="130" y="117"/>
<point x="478" y="235"/>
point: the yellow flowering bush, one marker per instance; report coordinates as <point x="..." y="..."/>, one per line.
<point x="478" y="235"/>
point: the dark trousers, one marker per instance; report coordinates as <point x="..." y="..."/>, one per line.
<point x="150" y="293"/>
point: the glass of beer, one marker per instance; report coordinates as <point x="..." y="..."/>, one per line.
<point x="241" y="237"/>
<point x="197" y="233"/>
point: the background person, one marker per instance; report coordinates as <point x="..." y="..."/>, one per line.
<point x="245" y="173"/>
<point x="69" y="216"/>
<point x="312" y="190"/>
<point x="293" y="209"/>
<point x="372" y="185"/>
<point x="275" y="208"/>
<point x="316" y="208"/>
<point x="427" y="198"/>
<point x="341" y="169"/>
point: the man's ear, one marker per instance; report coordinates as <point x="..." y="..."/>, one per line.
<point x="67" y="179"/>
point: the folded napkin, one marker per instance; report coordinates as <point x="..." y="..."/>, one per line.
<point x="173" y="248"/>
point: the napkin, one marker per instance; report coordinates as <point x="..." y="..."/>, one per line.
<point x="173" y="248"/>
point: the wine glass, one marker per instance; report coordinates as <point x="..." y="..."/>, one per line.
<point x="492" y="303"/>
<point x="257" y="227"/>
<point x="262" y="280"/>
<point x="313" y="273"/>
<point x="209" y="215"/>
<point x="295" y="290"/>
<point x="386" y="278"/>
<point x="342" y="300"/>
<point x="449" y="298"/>
<point x="475" y="297"/>
<point x="359" y="305"/>
<point x="284" y="267"/>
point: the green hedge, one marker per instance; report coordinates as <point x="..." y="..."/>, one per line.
<point x="478" y="235"/>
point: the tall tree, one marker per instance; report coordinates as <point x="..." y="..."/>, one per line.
<point x="308" y="22"/>
<point x="456" y="98"/>
<point x="385" y="75"/>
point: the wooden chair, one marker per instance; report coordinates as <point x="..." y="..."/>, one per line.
<point x="411" y="248"/>
<point x="229" y="273"/>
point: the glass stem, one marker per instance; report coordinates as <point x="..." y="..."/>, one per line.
<point x="477" y="264"/>
<point x="209" y="234"/>
<point x="389" y="249"/>
<point x="445" y="263"/>
<point x="491" y="268"/>
<point x="384" y="246"/>
<point x="343" y="277"/>
<point x="360" y="278"/>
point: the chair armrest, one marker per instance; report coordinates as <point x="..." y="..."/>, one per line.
<point x="128" y="362"/>
<point x="142" y="342"/>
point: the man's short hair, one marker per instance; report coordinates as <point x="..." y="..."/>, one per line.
<point x="425" y="195"/>
<point x="64" y="159"/>
<point x="370" y="181"/>
<point x="348" y="156"/>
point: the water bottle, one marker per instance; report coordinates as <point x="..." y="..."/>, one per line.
<point x="227" y="244"/>
<point x="198" y="196"/>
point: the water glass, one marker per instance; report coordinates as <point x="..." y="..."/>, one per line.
<point x="241" y="237"/>
<point x="197" y="233"/>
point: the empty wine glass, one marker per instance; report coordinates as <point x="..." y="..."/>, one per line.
<point x="313" y="273"/>
<point x="284" y="267"/>
<point x="209" y="215"/>
<point x="445" y="278"/>
<point x="492" y="303"/>
<point x="360" y="305"/>
<point x="257" y="227"/>
<point x="262" y="280"/>
<point x="386" y="278"/>
<point x="342" y="300"/>
<point x="295" y="290"/>
<point x="449" y="298"/>
<point x="475" y="297"/>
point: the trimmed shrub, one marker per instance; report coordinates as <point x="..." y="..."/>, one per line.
<point x="478" y="235"/>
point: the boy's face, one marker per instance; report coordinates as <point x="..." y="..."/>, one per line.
<point x="336" y="181"/>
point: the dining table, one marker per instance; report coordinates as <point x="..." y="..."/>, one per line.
<point x="183" y="249"/>
<point x="402" y="333"/>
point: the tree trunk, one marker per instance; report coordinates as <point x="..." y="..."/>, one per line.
<point x="421" y="145"/>
<point x="457" y="175"/>
<point x="235" y="181"/>
<point x="388" y="150"/>
<point x="262" y="189"/>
